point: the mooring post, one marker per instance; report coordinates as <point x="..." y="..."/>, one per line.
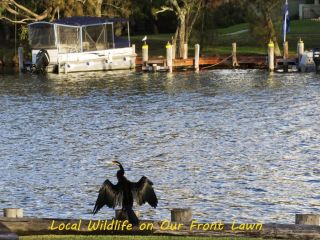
<point x="185" y="51"/>
<point x="169" y="56"/>
<point x="145" y="56"/>
<point x="173" y="51"/>
<point x="20" y="57"/>
<point x="308" y="219"/>
<point x="300" y="50"/>
<point x="182" y="215"/>
<point x="133" y="46"/>
<point x="234" y="55"/>
<point x="271" y="56"/>
<point x="13" y="212"/>
<point x="285" y="56"/>
<point x="122" y="214"/>
<point x="196" y="57"/>
<point x="285" y="50"/>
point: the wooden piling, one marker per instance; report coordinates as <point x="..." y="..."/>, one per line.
<point x="13" y="212"/>
<point x="285" y="50"/>
<point x="133" y="49"/>
<point x="145" y="56"/>
<point x="20" y="57"/>
<point x="181" y="215"/>
<point x="173" y="51"/>
<point x="185" y="51"/>
<point x="300" y="50"/>
<point x="169" y="56"/>
<point x="308" y="219"/>
<point x="234" y="55"/>
<point x="271" y="56"/>
<point x="196" y="57"/>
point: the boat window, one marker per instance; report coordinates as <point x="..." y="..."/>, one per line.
<point x="121" y="34"/>
<point x="68" y="39"/>
<point x="97" y="37"/>
<point x="41" y="35"/>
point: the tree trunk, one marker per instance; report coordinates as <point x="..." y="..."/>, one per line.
<point x="98" y="7"/>
<point x="273" y="35"/>
<point x="181" y="33"/>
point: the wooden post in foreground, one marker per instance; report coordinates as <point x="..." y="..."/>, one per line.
<point x="196" y="57"/>
<point x="271" y="56"/>
<point x="13" y="212"/>
<point x="20" y="57"/>
<point x="182" y="215"/>
<point x="122" y="215"/>
<point x="169" y="56"/>
<point x="145" y="56"/>
<point x="308" y="219"/>
<point x="234" y="55"/>
<point x="185" y="51"/>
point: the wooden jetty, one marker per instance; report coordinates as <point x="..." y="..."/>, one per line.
<point x="214" y="62"/>
<point x="197" y="62"/>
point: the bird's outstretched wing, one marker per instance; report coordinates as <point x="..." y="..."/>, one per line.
<point x="144" y="192"/>
<point x="109" y="194"/>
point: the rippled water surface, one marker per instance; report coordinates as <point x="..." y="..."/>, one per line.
<point x="230" y="144"/>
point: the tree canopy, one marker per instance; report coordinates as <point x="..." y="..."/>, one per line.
<point x="153" y="16"/>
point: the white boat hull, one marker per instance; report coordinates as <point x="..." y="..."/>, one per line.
<point x="103" y="60"/>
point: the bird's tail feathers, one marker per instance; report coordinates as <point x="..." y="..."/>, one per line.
<point x="132" y="217"/>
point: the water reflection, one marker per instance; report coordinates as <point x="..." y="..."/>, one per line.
<point x="231" y="144"/>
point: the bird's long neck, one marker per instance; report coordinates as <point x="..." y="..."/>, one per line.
<point x="120" y="173"/>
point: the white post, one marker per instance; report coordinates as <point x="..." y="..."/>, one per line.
<point x="145" y="56"/>
<point x="300" y="50"/>
<point x="185" y="51"/>
<point x="169" y="56"/>
<point x="13" y="212"/>
<point x="285" y="50"/>
<point x="271" y="56"/>
<point x="196" y="57"/>
<point x="20" y="56"/>
<point x="133" y="49"/>
<point x="234" y="55"/>
<point x="173" y="51"/>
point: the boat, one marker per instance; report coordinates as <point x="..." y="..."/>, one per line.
<point x="78" y="44"/>
<point x="316" y="58"/>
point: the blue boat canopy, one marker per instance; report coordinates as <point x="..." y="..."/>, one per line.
<point x="80" y="34"/>
<point x="87" y="20"/>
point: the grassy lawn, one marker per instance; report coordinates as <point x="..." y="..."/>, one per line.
<point x="308" y="31"/>
<point x="92" y="237"/>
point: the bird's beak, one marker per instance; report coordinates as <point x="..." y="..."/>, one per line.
<point x="114" y="163"/>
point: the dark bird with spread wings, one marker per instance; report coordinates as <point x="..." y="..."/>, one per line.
<point x="124" y="192"/>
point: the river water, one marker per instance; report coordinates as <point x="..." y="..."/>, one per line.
<point x="231" y="144"/>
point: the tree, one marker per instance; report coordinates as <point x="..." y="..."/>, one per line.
<point x="187" y="12"/>
<point x="23" y="12"/>
<point x="262" y="16"/>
